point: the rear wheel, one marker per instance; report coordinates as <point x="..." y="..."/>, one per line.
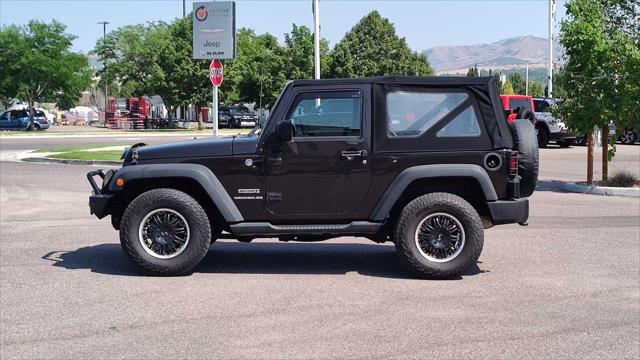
<point x="439" y="235"/>
<point x="627" y="137"/>
<point x="165" y="232"/>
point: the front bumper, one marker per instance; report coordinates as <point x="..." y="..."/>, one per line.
<point x="100" y="203"/>
<point x="509" y="211"/>
<point x="562" y="135"/>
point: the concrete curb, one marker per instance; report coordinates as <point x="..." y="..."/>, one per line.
<point x="601" y="190"/>
<point x="45" y="160"/>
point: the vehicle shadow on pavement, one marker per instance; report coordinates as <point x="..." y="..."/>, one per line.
<point x="230" y="257"/>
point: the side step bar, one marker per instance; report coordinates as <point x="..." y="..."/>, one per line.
<point x="268" y="229"/>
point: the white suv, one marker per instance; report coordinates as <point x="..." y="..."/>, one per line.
<point x="549" y="127"/>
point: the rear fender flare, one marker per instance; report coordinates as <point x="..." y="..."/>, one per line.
<point x="198" y="173"/>
<point x="407" y="176"/>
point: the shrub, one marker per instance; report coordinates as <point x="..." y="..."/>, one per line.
<point x="622" y="179"/>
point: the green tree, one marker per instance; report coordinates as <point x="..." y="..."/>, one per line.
<point x="507" y="88"/>
<point x="299" y="54"/>
<point x="587" y="72"/>
<point x="473" y="72"/>
<point x="46" y="67"/>
<point x="536" y="89"/>
<point x="372" y="48"/>
<point x="10" y="41"/>
<point x="130" y="55"/>
<point x="518" y="83"/>
<point x="259" y="66"/>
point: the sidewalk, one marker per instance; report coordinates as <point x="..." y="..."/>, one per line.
<point x="71" y="131"/>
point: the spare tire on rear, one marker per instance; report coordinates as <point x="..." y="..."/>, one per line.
<point x="525" y="143"/>
<point x="527" y="114"/>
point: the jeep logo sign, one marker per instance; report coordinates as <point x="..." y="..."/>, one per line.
<point x="214" y="30"/>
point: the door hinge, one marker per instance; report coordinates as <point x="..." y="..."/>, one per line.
<point x="274" y="197"/>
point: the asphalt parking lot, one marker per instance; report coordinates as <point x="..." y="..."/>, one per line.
<point x="566" y="286"/>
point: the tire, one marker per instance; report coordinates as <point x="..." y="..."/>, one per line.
<point x="432" y="207"/>
<point x="526" y="143"/>
<point x="527" y="114"/>
<point x="565" y="143"/>
<point x="581" y="140"/>
<point x="166" y="203"/>
<point x="627" y="137"/>
<point x="542" y="137"/>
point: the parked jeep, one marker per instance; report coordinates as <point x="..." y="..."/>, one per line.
<point x="548" y="128"/>
<point x="426" y="163"/>
<point x="553" y="129"/>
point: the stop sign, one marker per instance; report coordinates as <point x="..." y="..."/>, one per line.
<point x="216" y="74"/>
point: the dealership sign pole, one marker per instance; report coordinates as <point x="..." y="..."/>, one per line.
<point x="216" y="75"/>
<point x="214" y="37"/>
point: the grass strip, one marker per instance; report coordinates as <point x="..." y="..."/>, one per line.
<point x="109" y="155"/>
<point x="76" y="148"/>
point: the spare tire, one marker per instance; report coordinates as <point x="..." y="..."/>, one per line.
<point x="527" y="114"/>
<point x="525" y="143"/>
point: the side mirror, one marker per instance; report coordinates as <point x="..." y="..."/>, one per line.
<point x="284" y="131"/>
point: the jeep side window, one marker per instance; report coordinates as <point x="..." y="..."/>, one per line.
<point x="463" y="125"/>
<point x="326" y="114"/>
<point x="412" y="113"/>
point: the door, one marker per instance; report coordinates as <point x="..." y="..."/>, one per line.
<point x="5" y="121"/>
<point x="325" y="171"/>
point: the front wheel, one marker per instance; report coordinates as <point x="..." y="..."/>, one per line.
<point x="543" y="137"/>
<point x="439" y="235"/>
<point x="565" y="143"/>
<point x="165" y="232"/>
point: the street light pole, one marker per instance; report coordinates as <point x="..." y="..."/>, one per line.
<point x="104" y="36"/>
<point x="526" y="81"/>
<point x="552" y="15"/>
<point x="184" y="8"/>
<point x="316" y="40"/>
<point x="261" y="93"/>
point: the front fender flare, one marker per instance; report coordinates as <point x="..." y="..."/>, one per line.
<point x="199" y="173"/>
<point x="407" y="176"/>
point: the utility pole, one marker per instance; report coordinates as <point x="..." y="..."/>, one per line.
<point x="552" y="17"/>
<point x="316" y="40"/>
<point x="261" y="94"/>
<point x="526" y="80"/>
<point x="184" y="8"/>
<point x="104" y="36"/>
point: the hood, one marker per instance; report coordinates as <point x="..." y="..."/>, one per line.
<point x="208" y="147"/>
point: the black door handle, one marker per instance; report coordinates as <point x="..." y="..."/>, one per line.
<point x="350" y="155"/>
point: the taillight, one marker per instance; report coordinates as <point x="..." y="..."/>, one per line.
<point x="513" y="163"/>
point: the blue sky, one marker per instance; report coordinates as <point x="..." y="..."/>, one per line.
<point x="423" y="23"/>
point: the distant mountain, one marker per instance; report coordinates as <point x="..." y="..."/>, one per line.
<point x="505" y="54"/>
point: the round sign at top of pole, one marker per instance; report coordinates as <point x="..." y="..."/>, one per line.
<point x="216" y="73"/>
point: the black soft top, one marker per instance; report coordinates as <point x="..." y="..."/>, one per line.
<point x="402" y="80"/>
<point x="484" y="89"/>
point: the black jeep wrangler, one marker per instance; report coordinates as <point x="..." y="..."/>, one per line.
<point x="426" y="163"/>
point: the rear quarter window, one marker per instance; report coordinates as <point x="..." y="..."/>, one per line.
<point x="520" y="103"/>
